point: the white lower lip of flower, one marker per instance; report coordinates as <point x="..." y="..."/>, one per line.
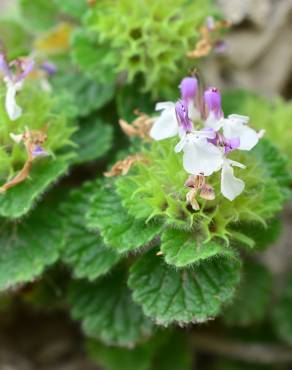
<point x="201" y="157"/>
<point x="231" y="186"/>
<point x="12" y="109"/>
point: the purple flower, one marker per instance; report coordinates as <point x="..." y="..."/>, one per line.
<point x="26" y="66"/>
<point x="181" y="111"/>
<point x="4" y="66"/>
<point x="231" y="144"/>
<point x="212" y="99"/>
<point x="188" y="88"/>
<point x="49" y="67"/>
<point x="38" y="151"/>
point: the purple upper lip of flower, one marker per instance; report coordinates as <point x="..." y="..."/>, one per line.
<point x="231" y="144"/>
<point x="25" y="66"/>
<point x="212" y="99"/>
<point x="181" y="110"/>
<point x="4" y="66"/>
<point x="188" y="88"/>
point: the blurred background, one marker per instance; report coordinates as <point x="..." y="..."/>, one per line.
<point x="258" y="58"/>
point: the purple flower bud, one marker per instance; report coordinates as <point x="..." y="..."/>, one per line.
<point x="231" y="144"/>
<point x="212" y="99"/>
<point x="188" y="88"/>
<point x="49" y="67"/>
<point x="38" y="151"/>
<point x="181" y="110"/>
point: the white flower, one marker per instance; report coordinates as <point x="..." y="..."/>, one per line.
<point x="12" y="109"/>
<point x="200" y="156"/>
<point x="166" y="125"/>
<point x="231" y="186"/>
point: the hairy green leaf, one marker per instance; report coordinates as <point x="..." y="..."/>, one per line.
<point x="183" y="296"/>
<point x="108" y="312"/>
<point x="18" y="200"/>
<point x="94" y="59"/>
<point x="88" y="95"/>
<point x="27" y="248"/>
<point x="118" y="229"/>
<point x="84" y="251"/>
<point x="94" y="139"/>
<point x="181" y="248"/>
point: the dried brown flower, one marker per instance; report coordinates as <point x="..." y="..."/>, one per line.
<point x="209" y="39"/>
<point x="198" y="186"/>
<point x="123" y="167"/>
<point x="32" y="141"/>
<point x="140" y="127"/>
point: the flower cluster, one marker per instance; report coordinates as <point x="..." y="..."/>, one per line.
<point x="206" y="136"/>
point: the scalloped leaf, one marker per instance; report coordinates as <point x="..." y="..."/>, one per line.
<point x="118" y="229"/>
<point x="108" y="312"/>
<point x="84" y="251"/>
<point x="94" y="139"/>
<point x="252" y="298"/>
<point x="282" y="312"/>
<point x="94" y="59"/>
<point x="18" y="200"/>
<point x="183" y="296"/>
<point x="29" y="247"/>
<point x="181" y="248"/>
<point x="87" y="94"/>
<point x="128" y="101"/>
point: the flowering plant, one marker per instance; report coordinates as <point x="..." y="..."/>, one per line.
<point x="148" y="234"/>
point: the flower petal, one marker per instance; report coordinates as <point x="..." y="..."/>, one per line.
<point x="12" y="109"/>
<point x="231" y="186"/>
<point x="166" y="124"/>
<point x="213" y="122"/>
<point x="201" y="157"/>
<point x="235" y="127"/>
